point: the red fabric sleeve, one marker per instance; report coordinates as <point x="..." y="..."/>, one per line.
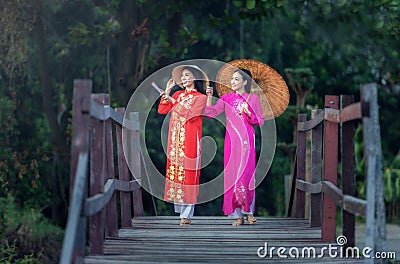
<point x="196" y="109"/>
<point x="166" y="106"/>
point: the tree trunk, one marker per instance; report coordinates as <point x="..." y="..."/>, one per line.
<point x="300" y="103"/>
<point x="57" y="133"/>
<point x="125" y="57"/>
<point x="128" y="67"/>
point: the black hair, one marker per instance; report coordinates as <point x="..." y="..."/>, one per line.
<point x="198" y="82"/>
<point x="246" y="75"/>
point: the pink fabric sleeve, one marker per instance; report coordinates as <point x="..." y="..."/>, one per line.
<point x="217" y="109"/>
<point x="257" y="116"/>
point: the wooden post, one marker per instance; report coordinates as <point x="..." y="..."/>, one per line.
<point x="301" y="168"/>
<point x="80" y="124"/>
<point x="307" y="195"/>
<point x="98" y="172"/>
<point x="287" y="180"/>
<point x="124" y="175"/>
<point x="376" y="219"/>
<point x="348" y="177"/>
<point x="316" y="170"/>
<point x="136" y="166"/>
<point x="111" y="228"/>
<point x="291" y="207"/>
<point x="330" y="171"/>
<point x="80" y="144"/>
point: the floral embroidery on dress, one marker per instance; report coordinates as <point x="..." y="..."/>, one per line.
<point x="176" y="171"/>
<point x="245" y="149"/>
<point x="185" y="101"/>
<point x="240" y="194"/>
<point x="238" y="107"/>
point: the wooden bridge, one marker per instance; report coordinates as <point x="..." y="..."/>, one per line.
<point x="106" y="222"/>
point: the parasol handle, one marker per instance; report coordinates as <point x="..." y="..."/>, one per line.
<point x="241" y="110"/>
<point x="155" y="86"/>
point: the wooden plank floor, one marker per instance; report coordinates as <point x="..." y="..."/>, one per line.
<point x="212" y="240"/>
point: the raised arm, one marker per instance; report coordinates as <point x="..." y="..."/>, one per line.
<point x="167" y="102"/>
<point x="196" y="109"/>
<point x="165" y="105"/>
<point x="213" y="111"/>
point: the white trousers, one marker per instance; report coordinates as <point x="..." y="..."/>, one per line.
<point x="184" y="210"/>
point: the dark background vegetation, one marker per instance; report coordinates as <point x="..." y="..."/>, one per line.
<point x="319" y="47"/>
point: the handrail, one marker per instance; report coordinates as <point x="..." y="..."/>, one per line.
<point x="105" y="112"/>
<point x="310" y="124"/>
<point x="92" y="171"/>
<point x="322" y="185"/>
<point x="349" y="203"/>
<point x="309" y="187"/>
<point x="75" y="211"/>
<point x="97" y="202"/>
<point x="349" y="113"/>
<point x="105" y="181"/>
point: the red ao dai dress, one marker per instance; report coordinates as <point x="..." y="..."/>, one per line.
<point x="184" y="149"/>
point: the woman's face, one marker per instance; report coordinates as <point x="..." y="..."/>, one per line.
<point x="237" y="82"/>
<point x="187" y="78"/>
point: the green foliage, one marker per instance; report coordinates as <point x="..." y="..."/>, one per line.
<point x="9" y="254"/>
<point x="13" y="35"/>
<point x="250" y="4"/>
<point x="3" y="223"/>
<point x="29" y="220"/>
<point x="164" y="208"/>
<point x="391" y="179"/>
<point x="391" y="176"/>
<point x="302" y="77"/>
<point x="6" y="117"/>
<point x="257" y="9"/>
<point x="389" y="99"/>
<point x="359" y="163"/>
<point x="82" y="34"/>
<point x="29" y="237"/>
<point x="21" y="171"/>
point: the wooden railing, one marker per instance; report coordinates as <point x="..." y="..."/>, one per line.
<point x="94" y="181"/>
<point x="330" y="128"/>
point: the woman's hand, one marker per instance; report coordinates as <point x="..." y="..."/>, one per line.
<point x="170" y="84"/>
<point x="209" y="91"/>
<point x="245" y="109"/>
<point x="165" y="95"/>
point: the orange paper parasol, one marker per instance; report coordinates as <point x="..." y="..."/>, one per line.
<point x="269" y="85"/>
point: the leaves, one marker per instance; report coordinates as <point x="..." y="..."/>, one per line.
<point x="16" y="26"/>
<point x="250" y="4"/>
